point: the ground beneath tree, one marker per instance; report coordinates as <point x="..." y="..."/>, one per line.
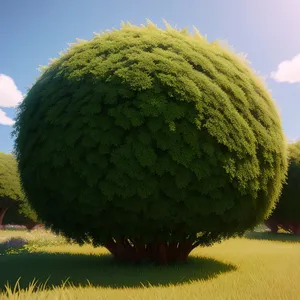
<point x="256" y="267"/>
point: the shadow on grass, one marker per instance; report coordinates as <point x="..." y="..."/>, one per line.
<point x="101" y="270"/>
<point x="276" y="237"/>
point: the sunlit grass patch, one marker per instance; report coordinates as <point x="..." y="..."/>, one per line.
<point x="246" y="268"/>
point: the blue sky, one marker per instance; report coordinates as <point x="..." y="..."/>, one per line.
<point x="33" y="31"/>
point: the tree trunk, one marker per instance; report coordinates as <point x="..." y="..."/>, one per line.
<point x="287" y="226"/>
<point x="296" y="228"/>
<point x="30" y="225"/>
<point x="2" y="213"/>
<point x="159" y="252"/>
<point x="272" y="225"/>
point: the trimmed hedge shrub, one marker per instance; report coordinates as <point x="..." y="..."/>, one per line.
<point x="151" y="142"/>
<point x="287" y="212"/>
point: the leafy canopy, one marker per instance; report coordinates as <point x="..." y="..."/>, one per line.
<point x="10" y="188"/>
<point x="288" y="207"/>
<point x="150" y="134"/>
<point x="11" y="194"/>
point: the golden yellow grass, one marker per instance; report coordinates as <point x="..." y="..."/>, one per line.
<point x="260" y="267"/>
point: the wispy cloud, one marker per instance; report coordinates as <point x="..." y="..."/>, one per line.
<point x="288" y="71"/>
<point x="4" y="119"/>
<point x="10" y="96"/>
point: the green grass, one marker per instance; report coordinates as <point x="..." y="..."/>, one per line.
<point x="260" y="266"/>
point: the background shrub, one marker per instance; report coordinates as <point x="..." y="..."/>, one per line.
<point x="14" y="208"/>
<point x="287" y="212"/>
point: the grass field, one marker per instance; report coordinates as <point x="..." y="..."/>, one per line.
<point x="260" y="266"/>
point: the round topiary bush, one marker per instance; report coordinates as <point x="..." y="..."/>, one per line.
<point x="287" y="212"/>
<point x="150" y="142"/>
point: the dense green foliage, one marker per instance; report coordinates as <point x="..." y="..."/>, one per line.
<point x="12" y="201"/>
<point x="150" y="134"/>
<point x="21" y="214"/>
<point x="10" y="188"/>
<point x="288" y="207"/>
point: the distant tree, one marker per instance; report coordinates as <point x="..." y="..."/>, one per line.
<point x="21" y="214"/>
<point x="287" y="212"/>
<point x="150" y="142"/>
<point x="14" y="208"/>
<point x="10" y="189"/>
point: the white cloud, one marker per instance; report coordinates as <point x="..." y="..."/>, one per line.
<point x="288" y="71"/>
<point x="10" y="96"/>
<point x="4" y="119"/>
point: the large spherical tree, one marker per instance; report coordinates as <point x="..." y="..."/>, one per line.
<point x="13" y="206"/>
<point x="151" y="142"/>
<point x="287" y="212"/>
